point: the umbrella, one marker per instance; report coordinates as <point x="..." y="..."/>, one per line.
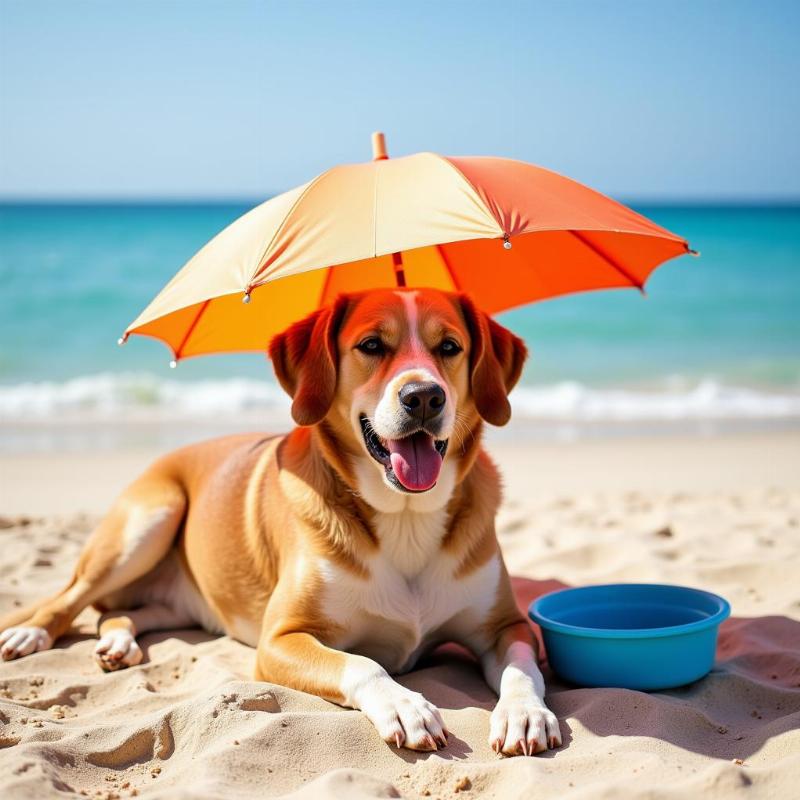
<point x="504" y="231"/>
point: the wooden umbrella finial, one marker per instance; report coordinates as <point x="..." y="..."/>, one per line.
<point x="379" y="147"/>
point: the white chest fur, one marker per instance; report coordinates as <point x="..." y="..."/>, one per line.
<point x="411" y="598"/>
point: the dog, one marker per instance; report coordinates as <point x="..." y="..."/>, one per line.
<point x="346" y="549"/>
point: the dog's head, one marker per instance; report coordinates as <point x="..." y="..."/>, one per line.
<point x="397" y="374"/>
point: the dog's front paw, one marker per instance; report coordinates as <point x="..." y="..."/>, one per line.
<point x="402" y="717"/>
<point x="520" y="727"/>
<point x="22" y="640"/>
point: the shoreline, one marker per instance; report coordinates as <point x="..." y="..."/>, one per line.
<point x="88" y="479"/>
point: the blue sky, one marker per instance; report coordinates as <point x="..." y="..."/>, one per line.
<point x="242" y="99"/>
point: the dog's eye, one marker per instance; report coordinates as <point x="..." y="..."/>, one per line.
<point x="372" y="346"/>
<point x="449" y="347"/>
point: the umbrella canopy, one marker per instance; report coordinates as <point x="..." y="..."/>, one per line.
<point x="504" y="231"/>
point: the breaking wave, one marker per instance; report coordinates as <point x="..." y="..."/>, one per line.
<point x="117" y="396"/>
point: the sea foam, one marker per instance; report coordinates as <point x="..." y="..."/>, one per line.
<point x="119" y="396"/>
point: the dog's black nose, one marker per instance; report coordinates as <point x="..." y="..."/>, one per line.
<point x="423" y="401"/>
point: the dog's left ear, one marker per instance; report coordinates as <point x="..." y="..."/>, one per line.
<point x="496" y="360"/>
<point x="306" y="362"/>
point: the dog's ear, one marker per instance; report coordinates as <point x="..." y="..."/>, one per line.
<point x="496" y="360"/>
<point x="306" y="362"/>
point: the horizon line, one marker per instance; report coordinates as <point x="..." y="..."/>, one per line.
<point x="252" y="200"/>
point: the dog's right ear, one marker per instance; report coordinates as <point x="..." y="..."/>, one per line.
<point x="305" y="358"/>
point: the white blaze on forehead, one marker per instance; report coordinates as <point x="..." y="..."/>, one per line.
<point x="412" y="315"/>
<point x="418" y="356"/>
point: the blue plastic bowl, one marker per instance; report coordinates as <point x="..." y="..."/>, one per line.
<point x="630" y="635"/>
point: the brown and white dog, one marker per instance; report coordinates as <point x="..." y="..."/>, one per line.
<point x="346" y="549"/>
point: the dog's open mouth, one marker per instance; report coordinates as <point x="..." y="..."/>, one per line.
<point x="412" y="463"/>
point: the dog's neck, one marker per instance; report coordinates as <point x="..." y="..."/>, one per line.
<point x="407" y="528"/>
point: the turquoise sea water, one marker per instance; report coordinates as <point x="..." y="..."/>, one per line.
<point x="73" y="276"/>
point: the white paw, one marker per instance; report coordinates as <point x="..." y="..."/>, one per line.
<point x="117" y="649"/>
<point x="22" y="640"/>
<point x="402" y="717"/>
<point x="520" y="727"/>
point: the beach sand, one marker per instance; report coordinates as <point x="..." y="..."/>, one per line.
<point x="720" y="513"/>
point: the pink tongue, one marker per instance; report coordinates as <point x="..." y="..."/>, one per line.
<point x="415" y="461"/>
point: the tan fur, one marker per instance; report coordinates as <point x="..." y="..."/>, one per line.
<point x="247" y="534"/>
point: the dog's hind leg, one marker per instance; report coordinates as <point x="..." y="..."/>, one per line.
<point x="129" y="542"/>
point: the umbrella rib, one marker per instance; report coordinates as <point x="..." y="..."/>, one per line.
<point x="190" y="331"/>
<point x="610" y="261"/>
<point x="325" y="285"/>
<point x="447" y="266"/>
<point x="262" y="259"/>
<point x="472" y="186"/>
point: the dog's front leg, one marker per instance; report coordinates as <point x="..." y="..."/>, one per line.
<point x="521" y="723"/>
<point x="301" y="661"/>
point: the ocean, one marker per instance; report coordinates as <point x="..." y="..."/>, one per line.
<point x="715" y="338"/>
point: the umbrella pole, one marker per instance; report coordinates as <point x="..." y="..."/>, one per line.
<point x="399" y="272"/>
<point x="379" y="153"/>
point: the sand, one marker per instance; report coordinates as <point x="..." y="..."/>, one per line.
<point x="719" y="513"/>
